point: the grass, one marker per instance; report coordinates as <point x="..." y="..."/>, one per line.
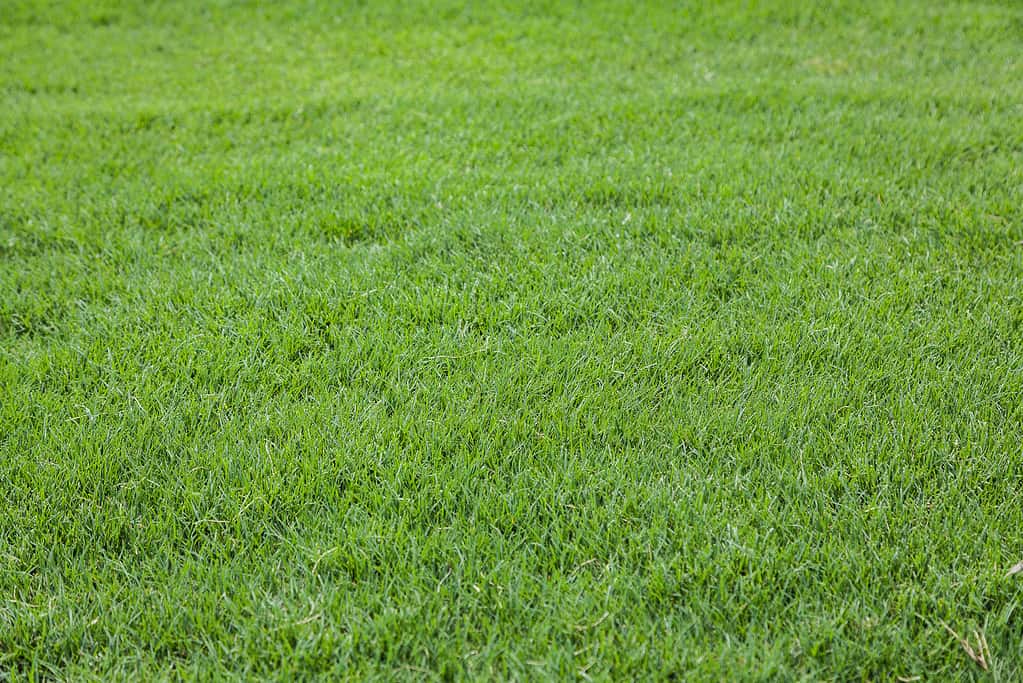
<point x="538" y="340"/>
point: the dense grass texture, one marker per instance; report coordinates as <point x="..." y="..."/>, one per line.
<point x="531" y="340"/>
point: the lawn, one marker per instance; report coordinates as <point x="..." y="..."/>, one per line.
<point x="514" y="341"/>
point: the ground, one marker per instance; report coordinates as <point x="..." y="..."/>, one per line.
<point x="538" y="340"/>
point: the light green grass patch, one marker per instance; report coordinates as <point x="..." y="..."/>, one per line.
<point x="540" y="340"/>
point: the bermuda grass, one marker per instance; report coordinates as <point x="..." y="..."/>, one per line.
<point x="510" y="341"/>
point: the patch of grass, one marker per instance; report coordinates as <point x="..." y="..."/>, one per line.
<point x="529" y="341"/>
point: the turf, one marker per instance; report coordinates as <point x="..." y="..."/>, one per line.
<point x="536" y="340"/>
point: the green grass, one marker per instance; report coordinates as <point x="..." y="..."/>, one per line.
<point x="544" y="340"/>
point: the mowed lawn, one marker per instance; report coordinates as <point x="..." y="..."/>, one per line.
<point x="601" y="340"/>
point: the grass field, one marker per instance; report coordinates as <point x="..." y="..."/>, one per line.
<point x="537" y="340"/>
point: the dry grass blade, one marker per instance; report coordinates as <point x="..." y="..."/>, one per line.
<point x="1016" y="569"/>
<point x="982" y="655"/>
